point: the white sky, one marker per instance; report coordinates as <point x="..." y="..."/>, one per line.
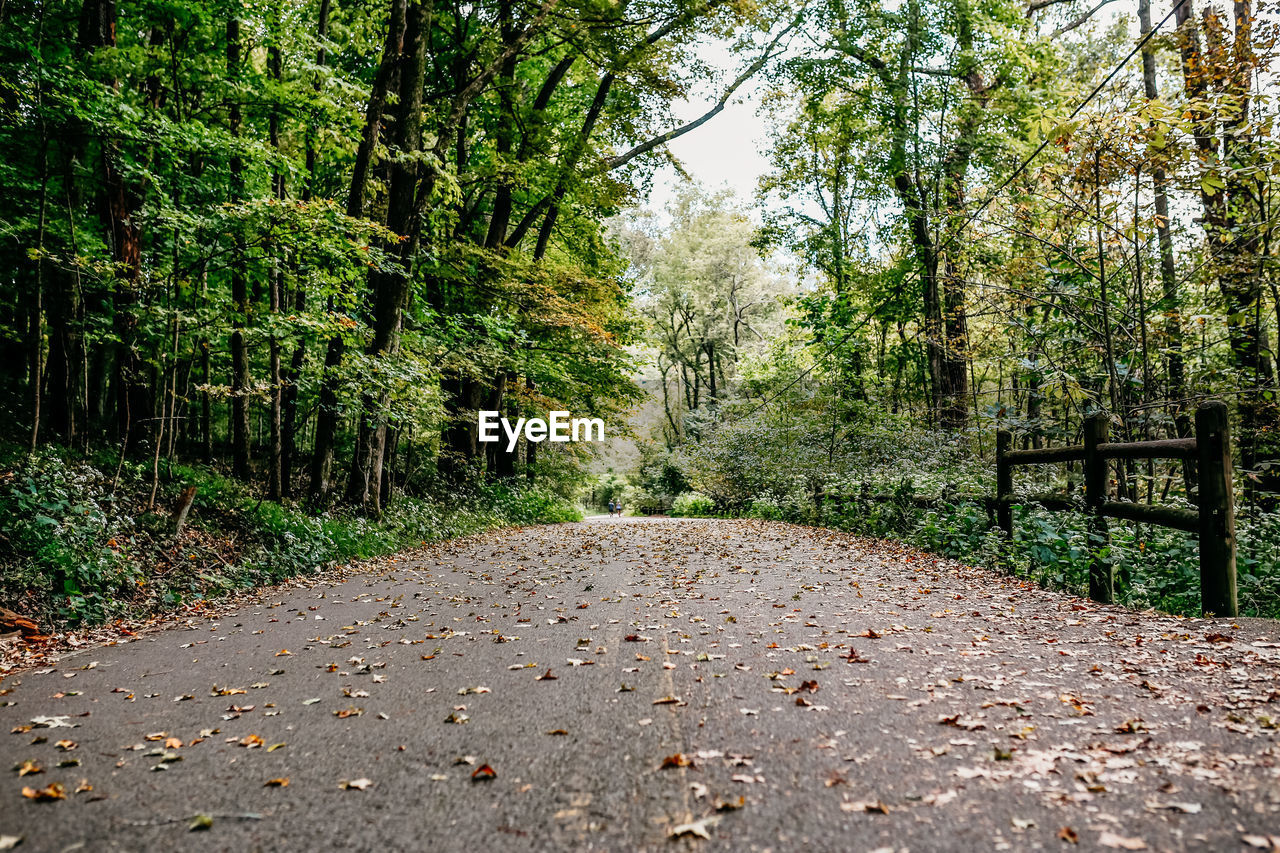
<point x="726" y="151"/>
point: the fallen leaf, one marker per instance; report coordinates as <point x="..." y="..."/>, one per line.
<point x="281" y="782"/>
<point x="59" y="722"/>
<point x="667" y="700"/>
<point x="1120" y="842"/>
<point x="484" y="773"/>
<point x="1068" y="835"/>
<point x="679" y="759"/>
<point x="49" y="793"/>
<point x="200" y="822"/>
<point x="864" y="806"/>
<point x="8" y="842"/>
<point x="730" y="805"/>
<point x="29" y="767"/>
<point x="697" y="828"/>
<point x="546" y="676"/>
<point x="251" y="741"/>
<point x="356" y="784"/>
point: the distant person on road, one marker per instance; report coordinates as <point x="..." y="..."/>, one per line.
<point x="611" y="509"/>
<point x="618" y="507"/>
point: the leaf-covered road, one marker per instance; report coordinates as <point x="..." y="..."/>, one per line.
<point x="771" y="687"/>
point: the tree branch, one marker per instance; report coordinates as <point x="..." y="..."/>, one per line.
<point x="675" y="133"/>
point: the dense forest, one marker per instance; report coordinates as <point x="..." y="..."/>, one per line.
<point x="264" y="263"/>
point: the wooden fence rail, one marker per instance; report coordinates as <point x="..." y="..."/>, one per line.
<point x="1214" y="521"/>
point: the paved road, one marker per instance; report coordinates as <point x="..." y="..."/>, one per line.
<point x="806" y="691"/>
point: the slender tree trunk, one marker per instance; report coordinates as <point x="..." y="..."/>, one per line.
<point x="275" y="471"/>
<point x="1171" y="300"/>
<point x="289" y="428"/>
<point x="329" y="413"/>
<point x="391" y="289"/>
<point x="241" y="436"/>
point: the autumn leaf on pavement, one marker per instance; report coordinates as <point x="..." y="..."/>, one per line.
<point x="283" y="653"/>
<point x="29" y="767"/>
<point x="667" y="700"/>
<point x="484" y="773"/>
<point x="547" y="676"/>
<point x="874" y="806"/>
<point x="52" y="791"/>
<point x="200" y="823"/>
<point x="282" y="782"/>
<point x="355" y="784"/>
<point x="251" y="741"/>
<point x="679" y="759"/>
<point x="1120" y="842"/>
<point x="66" y="744"/>
<point x="697" y="828"/>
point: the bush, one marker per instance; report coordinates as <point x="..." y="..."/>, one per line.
<point x="692" y="505"/>
<point x="72" y="552"/>
<point x="644" y="502"/>
<point x="65" y="540"/>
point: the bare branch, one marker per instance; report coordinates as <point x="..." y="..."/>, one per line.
<point x="675" y="133"/>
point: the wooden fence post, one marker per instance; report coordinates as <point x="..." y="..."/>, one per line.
<point x="1004" y="483"/>
<point x="1217" y="512"/>
<point x="1101" y="571"/>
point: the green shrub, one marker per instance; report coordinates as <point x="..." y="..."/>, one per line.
<point x="64" y="541"/>
<point x="692" y="505"/>
<point x="72" y="553"/>
<point x="644" y="502"/>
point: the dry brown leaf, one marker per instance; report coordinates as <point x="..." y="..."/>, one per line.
<point x="49" y="793"/>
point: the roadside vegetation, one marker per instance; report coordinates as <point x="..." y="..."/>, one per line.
<point x="81" y="544"/>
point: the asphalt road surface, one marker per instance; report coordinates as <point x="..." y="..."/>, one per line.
<point x="655" y="685"/>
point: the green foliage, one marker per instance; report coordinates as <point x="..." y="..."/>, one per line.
<point x="64" y="538"/>
<point x="692" y="505"/>
<point x="72" y="552"/>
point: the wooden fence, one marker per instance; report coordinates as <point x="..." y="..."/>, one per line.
<point x="1213" y="521"/>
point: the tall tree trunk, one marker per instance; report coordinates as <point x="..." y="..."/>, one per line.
<point x="1171" y="300"/>
<point x="275" y="473"/>
<point x="240" y="380"/>
<point x="391" y="289"/>
<point x="289" y="428"/>
<point x="328" y="415"/>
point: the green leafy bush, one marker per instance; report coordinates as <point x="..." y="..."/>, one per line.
<point x="63" y="539"/>
<point x="73" y="552"/>
<point x="692" y="505"/>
